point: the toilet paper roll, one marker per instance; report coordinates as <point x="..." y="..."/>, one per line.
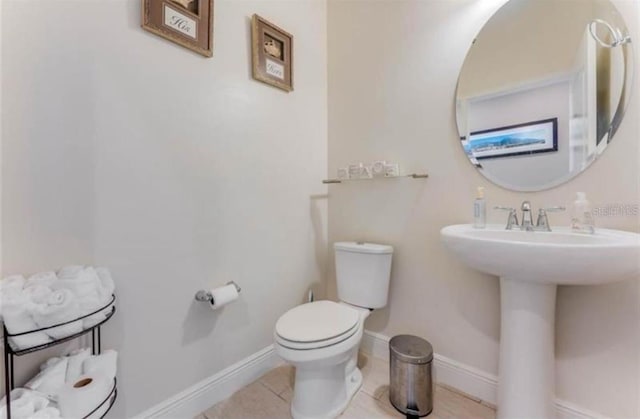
<point x="106" y="363"/>
<point x="79" y="398"/>
<point x="223" y="296"/>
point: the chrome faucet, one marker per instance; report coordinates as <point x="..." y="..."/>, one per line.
<point x="527" y="218"/>
<point x="542" y="224"/>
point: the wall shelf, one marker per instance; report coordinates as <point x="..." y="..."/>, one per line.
<point x="412" y="175"/>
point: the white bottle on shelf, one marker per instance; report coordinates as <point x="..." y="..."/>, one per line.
<point x="581" y="216"/>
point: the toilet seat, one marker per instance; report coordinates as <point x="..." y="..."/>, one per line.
<point x="316" y="325"/>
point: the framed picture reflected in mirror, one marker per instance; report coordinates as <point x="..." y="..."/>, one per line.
<point x="514" y="140"/>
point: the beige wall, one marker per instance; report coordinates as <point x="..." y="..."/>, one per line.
<point x="176" y="171"/>
<point x="393" y="67"/>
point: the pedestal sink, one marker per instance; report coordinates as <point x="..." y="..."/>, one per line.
<point x="531" y="265"/>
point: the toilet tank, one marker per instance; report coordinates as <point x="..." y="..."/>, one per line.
<point x="363" y="271"/>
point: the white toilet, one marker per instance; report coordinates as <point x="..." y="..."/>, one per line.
<point x="321" y="338"/>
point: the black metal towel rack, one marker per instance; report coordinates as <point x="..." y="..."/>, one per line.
<point x="96" y="348"/>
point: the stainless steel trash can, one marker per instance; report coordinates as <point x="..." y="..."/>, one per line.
<point x="410" y="381"/>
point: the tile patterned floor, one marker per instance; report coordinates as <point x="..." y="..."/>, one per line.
<point x="269" y="398"/>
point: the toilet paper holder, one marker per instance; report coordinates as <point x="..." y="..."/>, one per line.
<point x="205" y="296"/>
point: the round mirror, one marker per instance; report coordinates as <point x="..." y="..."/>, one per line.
<point x="543" y="90"/>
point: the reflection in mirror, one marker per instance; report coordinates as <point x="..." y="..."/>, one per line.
<point x="543" y="90"/>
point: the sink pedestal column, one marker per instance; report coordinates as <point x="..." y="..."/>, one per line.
<point x="527" y="353"/>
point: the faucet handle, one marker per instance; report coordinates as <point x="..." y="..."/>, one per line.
<point x="543" y="222"/>
<point x="513" y="217"/>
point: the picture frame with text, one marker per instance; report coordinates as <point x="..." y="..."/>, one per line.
<point x="188" y="23"/>
<point x="272" y="54"/>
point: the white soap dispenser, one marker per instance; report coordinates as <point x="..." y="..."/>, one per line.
<point x="581" y="216"/>
<point x="480" y="209"/>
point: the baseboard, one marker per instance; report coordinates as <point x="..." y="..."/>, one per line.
<point x="206" y="393"/>
<point x="469" y="380"/>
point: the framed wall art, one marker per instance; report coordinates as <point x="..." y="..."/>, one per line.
<point x="186" y="22"/>
<point x="514" y="140"/>
<point x="272" y="54"/>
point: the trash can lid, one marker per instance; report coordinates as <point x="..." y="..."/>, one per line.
<point x="411" y="349"/>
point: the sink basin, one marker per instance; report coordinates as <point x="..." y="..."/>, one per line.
<point x="557" y="257"/>
<point x="530" y="266"/>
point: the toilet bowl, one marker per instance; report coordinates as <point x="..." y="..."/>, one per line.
<point x="325" y="358"/>
<point x="321" y="339"/>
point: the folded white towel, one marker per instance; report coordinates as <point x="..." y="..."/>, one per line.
<point x="75" y="366"/>
<point x="106" y="363"/>
<point x="16" y="308"/>
<point x="42" y="278"/>
<point x="60" y="306"/>
<point x="38" y="294"/>
<point x="47" y="413"/>
<point x="12" y="281"/>
<point x="51" y="379"/>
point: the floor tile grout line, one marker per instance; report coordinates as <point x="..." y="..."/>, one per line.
<point x="285" y="390"/>
<point x="271" y="390"/>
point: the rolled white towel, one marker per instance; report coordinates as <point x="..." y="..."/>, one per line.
<point x="40" y="401"/>
<point x="106" y="363"/>
<point x="50" y="380"/>
<point x="91" y="321"/>
<point x="12" y="296"/>
<point x="38" y="294"/>
<point x="75" y="366"/>
<point x="15" y="394"/>
<point x="42" y="278"/>
<point x="20" y="409"/>
<point x="90" y="275"/>
<point x="16" y="313"/>
<point x="50" y="362"/>
<point x="85" y="285"/>
<point x="70" y="272"/>
<point x="98" y="317"/>
<point x="88" y="288"/>
<point x="108" y="287"/>
<point x="12" y="281"/>
<point x="24" y="403"/>
<point x="106" y="290"/>
<point x="60" y="306"/>
<point x="47" y="413"/>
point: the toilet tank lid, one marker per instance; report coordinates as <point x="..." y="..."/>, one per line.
<point x="362" y="247"/>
